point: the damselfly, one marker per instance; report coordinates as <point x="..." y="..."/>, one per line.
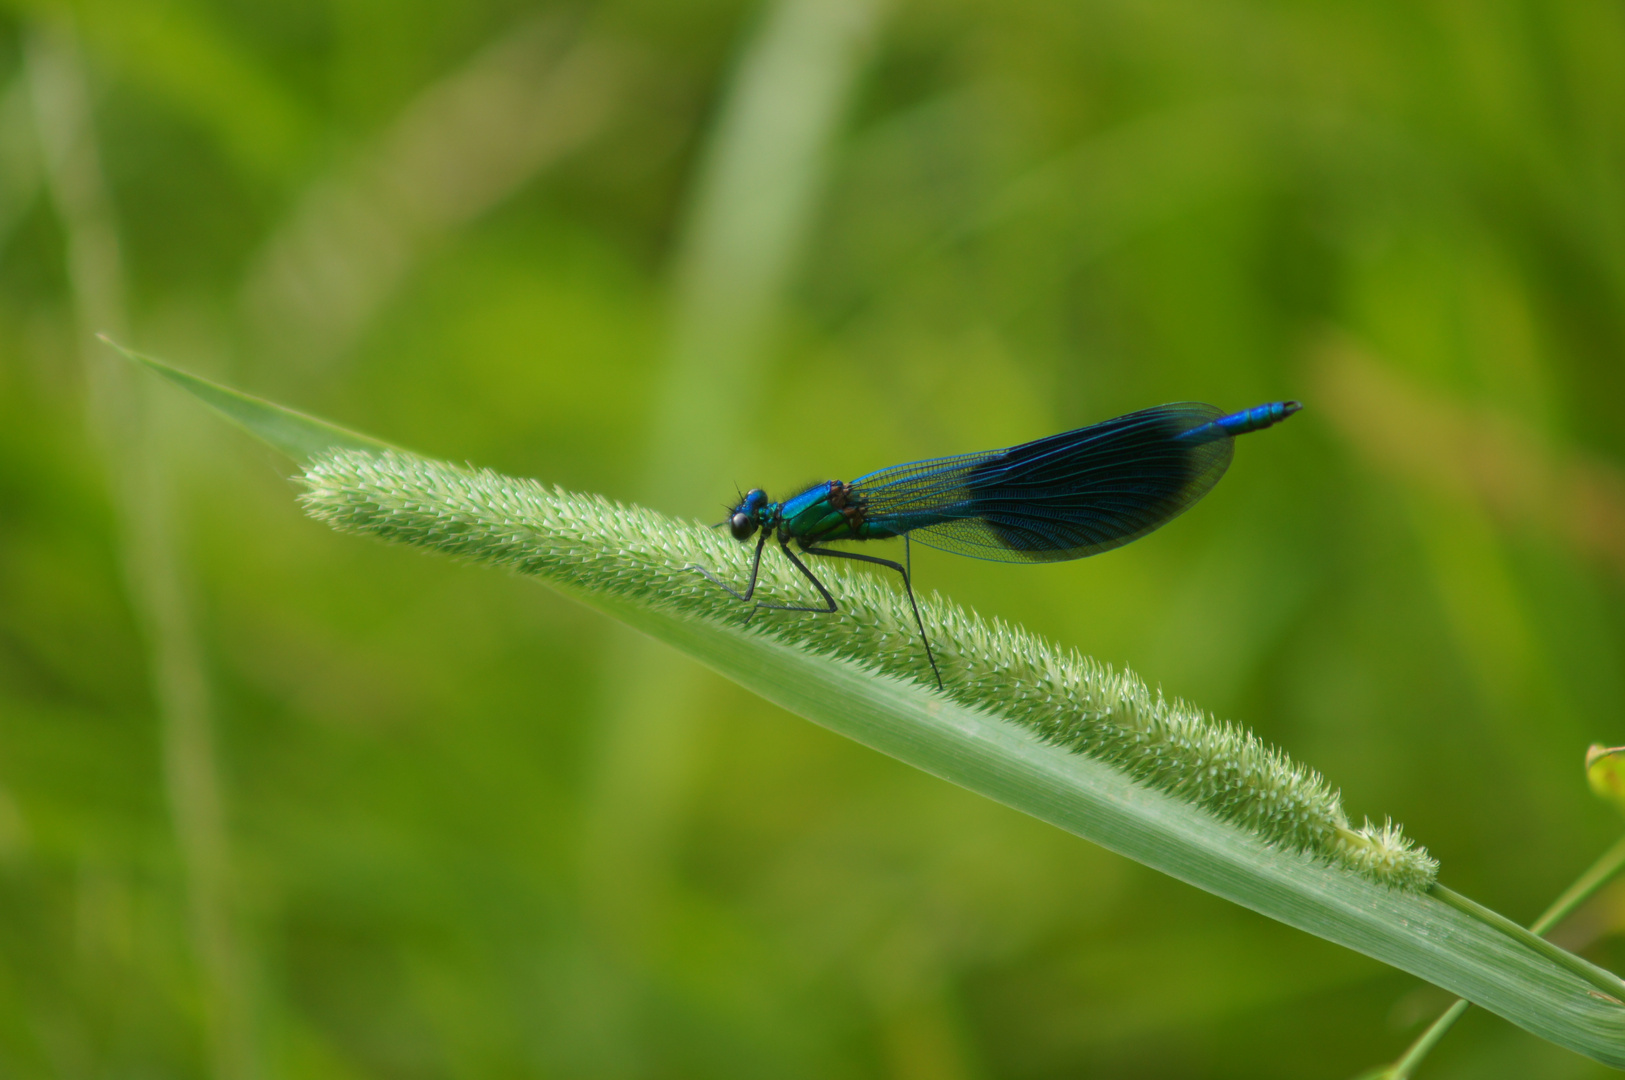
<point x="1063" y="497"/>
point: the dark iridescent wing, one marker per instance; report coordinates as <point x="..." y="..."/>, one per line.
<point x="1062" y="497"/>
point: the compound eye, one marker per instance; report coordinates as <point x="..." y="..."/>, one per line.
<point x="741" y="525"/>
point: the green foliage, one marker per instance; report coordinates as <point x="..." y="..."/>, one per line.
<point x="643" y="567"/>
<point x="471" y="829"/>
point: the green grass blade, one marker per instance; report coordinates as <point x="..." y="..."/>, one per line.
<point x="1046" y="732"/>
<point x="295" y="434"/>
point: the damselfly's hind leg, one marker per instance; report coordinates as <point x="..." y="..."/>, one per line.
<point x="908" y="587"/>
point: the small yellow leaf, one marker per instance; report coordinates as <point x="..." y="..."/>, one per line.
<point x="1605" y="769"/>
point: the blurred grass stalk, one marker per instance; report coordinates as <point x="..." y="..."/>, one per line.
<point x="536" y="93"/>
<point x="139" y="479"/>
<point x="760" y="175"/>
<point x="1477" y="481"/>
<point x="1474" y="456"/>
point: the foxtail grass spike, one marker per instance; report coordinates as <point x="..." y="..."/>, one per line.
<point x="588" y="544"/>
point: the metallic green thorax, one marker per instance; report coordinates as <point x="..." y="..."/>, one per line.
<point x="823" y="513"/>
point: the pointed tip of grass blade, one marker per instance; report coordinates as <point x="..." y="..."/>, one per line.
<point x="296" y="434"/>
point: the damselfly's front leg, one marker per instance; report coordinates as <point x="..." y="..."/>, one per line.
<point x="830" y="606"/>
<point x="750" y="589"/>
<point x="755" y="570"/>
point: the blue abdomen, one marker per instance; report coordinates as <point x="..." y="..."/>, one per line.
<point x="1240" y="423"/>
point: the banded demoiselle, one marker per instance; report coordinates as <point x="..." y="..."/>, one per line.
<point x="1062" y="497"/>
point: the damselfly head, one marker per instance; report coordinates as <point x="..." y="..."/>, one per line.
<point x="746" y="517"/>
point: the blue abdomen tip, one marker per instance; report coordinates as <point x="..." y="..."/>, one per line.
<point x="1240" y="423"/>
<point x="1257" y="418"/>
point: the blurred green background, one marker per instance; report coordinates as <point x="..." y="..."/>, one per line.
<point x="280" y="803"/>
